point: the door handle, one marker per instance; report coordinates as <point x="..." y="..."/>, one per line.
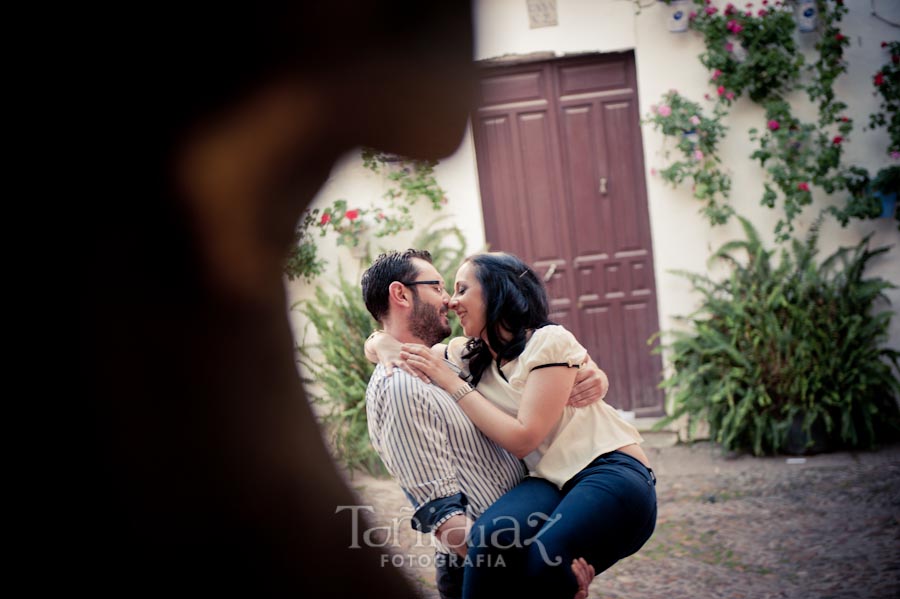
<point x="550" y="272"/>
<point x="602" y="185"/>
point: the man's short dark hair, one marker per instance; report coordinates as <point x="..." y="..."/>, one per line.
<point x="387" y="268"/>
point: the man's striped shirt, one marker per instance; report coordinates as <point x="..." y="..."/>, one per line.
<point x="433" y="450"/>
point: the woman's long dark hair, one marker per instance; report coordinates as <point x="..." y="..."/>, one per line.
<point x="515" y="302"/>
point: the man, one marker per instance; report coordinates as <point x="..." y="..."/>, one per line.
<point x="448" y="469"/>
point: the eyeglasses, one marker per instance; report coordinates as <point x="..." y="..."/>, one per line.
<point x="440" y="287"/>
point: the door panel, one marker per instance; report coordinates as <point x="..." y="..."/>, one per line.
<point x="561" y="173"/>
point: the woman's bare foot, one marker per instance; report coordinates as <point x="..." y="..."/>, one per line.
<point x="584" y="572"/>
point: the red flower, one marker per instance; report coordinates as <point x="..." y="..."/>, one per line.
<point x="734" y="27"/>
<point x="895" y="58"/>
<point x="716" y="74"/>
<point x="326" y="218"/>
<point x="844" y="119"/>
<point x="840" y="37"/>
<point x="879" y="78"/>
<point x="721" y="89"/>
<point x="729" y="9"/>
<point x="762" y="12"/>
<point x="803" y="186"/>
<point x="774" y="125"/>
<point x="764" y="2"/>
<point x="837" y="140"/>
<point x="884" y="44"/>
<point x="352" y="214"/>
<point x="711" y="10"/>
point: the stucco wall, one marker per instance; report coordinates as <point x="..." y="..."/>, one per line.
<point x="682" y="239"/>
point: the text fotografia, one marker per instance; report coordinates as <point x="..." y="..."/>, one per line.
<point x="411" y="560"/>
<point x="505" y="535"/>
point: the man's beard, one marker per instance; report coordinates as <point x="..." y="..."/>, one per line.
<point x="426" y="323"/>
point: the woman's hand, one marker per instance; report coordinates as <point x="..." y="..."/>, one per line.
<point x="591" y="385"/>
<point x="382" y="348"/>
<point x="424" y="360"/>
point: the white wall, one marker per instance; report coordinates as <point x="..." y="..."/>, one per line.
<point x="682" y="239"/>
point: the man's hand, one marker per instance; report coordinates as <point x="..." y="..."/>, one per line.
<point x="591" y="385"/>
<point x="584" y="572"/>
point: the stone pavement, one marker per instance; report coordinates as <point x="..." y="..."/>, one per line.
<point x="828" y="527"/>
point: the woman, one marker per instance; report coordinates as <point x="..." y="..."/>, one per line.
<point x="590" y="491"/>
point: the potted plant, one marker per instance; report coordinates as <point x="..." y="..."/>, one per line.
<point x="884" y="187"/>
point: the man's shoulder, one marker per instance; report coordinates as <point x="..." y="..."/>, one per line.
<point x="402" y="385"/>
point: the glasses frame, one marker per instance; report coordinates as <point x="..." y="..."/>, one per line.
<point x="431" y="282"/>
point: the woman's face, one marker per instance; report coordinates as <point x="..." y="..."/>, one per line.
<point x="468" y="302"/>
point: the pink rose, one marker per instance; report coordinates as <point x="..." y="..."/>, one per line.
<point x="695" y="120"/>
<point x="895" y="155"/>
<point x="352" y="214"/>
<point x="326" y="218"/>
<point x="698" y="155"/>
<point x="711" y="10"/>
<point x="665" y="110"/>
<point x="762" y="12"/>
<point x="803" y="186"/>
<point x="730" y="95"/>
<point x="721" y="89"/>
<point x="716" y="74"/>
<point x="729" y="46"/>
<point x="734" y="27"/>
<point x="774" y="125"/>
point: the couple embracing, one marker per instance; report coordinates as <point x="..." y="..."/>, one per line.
<point x="528" y="480"/>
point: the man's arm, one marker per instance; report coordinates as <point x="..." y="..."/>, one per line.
<point x="412" y="441"/>
<point x="454" y="533"/>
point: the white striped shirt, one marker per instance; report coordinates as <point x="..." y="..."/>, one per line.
<point x="432" y="449"/>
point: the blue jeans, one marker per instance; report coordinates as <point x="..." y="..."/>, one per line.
<point x="526" y="541"/>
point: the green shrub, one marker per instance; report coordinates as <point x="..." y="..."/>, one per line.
<point x="337" y="363"/>
<point x="795" y="340"/>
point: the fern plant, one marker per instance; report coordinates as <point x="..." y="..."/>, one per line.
<point x="792" y="340"/>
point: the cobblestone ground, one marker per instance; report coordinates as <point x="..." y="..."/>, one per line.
<point x="729" y="527"/>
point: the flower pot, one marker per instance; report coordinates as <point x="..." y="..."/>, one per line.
<point x="692" y="137"/>
<point x="678" y="15"/>
<point x="806" y="16"/>
<point x="800" y="443"/>
<point x="888" y="203"/>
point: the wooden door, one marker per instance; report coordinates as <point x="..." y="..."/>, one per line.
<point x="560" y="167"/>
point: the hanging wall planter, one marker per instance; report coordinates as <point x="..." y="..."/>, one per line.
<point x="678" y="15"/>
<point x="806" y="16"/>
<point x="692" y="137"/>
<point x="888" y="203"/>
